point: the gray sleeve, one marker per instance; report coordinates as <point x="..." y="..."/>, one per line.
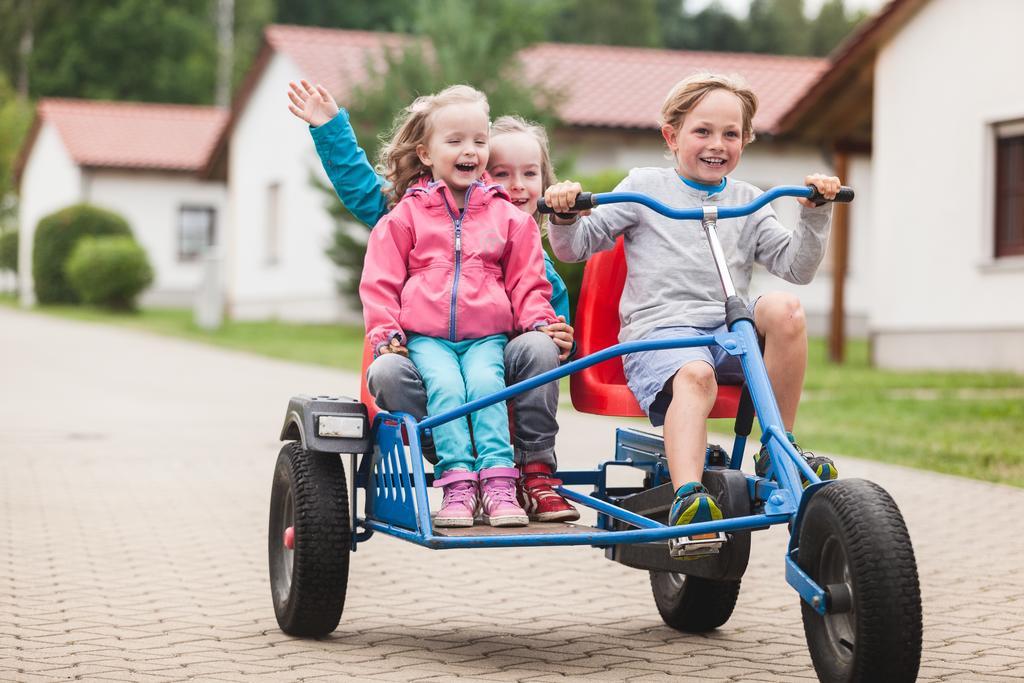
<point x="792" y="255"/>
<point x="597" y="232"/>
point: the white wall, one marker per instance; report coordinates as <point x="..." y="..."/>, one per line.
<point x="939" y="297"/>
<point x="50" y="181"/>
<point x="151" y="202"/>
<point x="269" y="145"/>
<point x="765" y="163"/>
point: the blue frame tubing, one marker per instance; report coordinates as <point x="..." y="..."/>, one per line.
<point x="396" y="485"/>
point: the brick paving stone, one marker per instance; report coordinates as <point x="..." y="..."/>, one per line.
<point x="132" y="547"/>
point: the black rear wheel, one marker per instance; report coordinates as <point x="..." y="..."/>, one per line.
<point x="693" y="604"/>
<point x="855" y="545"/>
<point x="309" y="541"/>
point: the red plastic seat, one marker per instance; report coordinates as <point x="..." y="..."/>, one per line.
<point x="601" y="388"/>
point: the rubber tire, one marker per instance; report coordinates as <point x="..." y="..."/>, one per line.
<point x="309" y="600"/>
<point x="856" y="525"/>
<point x="692" y="604"/>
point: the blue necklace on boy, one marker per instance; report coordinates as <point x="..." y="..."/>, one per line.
<point x="701" y="187"/>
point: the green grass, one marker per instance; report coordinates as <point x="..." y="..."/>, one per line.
<point x="969" y="424"/>
<point x="338" y="346"/>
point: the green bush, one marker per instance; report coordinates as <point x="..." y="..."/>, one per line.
<point x="109" y="271"/>
<point x="9" y="250"/>
<point x="55" y="239"/>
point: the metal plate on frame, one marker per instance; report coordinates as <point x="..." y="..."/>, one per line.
<point x="534" y="529"/>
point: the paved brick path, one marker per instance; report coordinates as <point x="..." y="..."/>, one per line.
<point x="134" y="487"/>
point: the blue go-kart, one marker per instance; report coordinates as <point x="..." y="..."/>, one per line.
<point x="849" y="556"/>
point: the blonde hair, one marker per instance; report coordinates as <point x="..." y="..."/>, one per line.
<point x="504" y="125"/>
<point x="399" y="163"/>
<point x="687" y="93"/>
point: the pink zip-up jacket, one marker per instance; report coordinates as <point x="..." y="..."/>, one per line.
<point x="433" y="271"/>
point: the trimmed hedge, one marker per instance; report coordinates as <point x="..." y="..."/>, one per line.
<point x="9" y="250"/>
<point x="109" y="271"/>
<point x="56" y="237"/>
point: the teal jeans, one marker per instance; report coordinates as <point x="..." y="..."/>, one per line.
<point x="455" y="373"/>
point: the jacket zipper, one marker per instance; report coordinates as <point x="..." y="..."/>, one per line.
<point x="457" y="223"/>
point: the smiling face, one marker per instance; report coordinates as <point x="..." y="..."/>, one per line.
<point x="457" y="150"/>
<point x="709" y="142"/>
<point x="516" y="160"/>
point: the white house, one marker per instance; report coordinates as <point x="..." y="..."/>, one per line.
<point x="139" y="160"/>
<point x="934" y="87"/>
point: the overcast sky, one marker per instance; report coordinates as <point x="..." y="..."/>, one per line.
<point x="740" y="7"/>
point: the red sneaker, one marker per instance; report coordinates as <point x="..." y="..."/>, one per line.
<point x="540" y="500"/>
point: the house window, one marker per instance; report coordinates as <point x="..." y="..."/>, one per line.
<point x="273" y="226"/>
<point x="196" y="231"/>
<point x="1009" y="237"/>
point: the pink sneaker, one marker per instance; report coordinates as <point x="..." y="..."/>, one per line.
<point x="460" y="501"/>
<point x="498" y="497"/>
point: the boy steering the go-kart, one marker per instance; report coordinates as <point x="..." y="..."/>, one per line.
<point x="673" y="289"/>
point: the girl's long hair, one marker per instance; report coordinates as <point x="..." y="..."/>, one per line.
<point x="516" y="124"/>
<point x="398" y="162"/>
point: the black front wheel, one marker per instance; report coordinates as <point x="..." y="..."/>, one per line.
<point x="309" y="541"/>
<point x="692" y="604"/>
<point x="855" y="545"/>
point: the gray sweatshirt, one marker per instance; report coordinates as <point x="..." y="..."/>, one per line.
<point x="672" y="277"/>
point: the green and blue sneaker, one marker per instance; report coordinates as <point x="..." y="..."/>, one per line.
<point x="693" y="504"/>
<point x="819" y="464"/>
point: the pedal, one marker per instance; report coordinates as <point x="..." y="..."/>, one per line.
<point x="693" y="547"/>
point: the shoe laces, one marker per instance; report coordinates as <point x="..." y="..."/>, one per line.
<point x="459" y="492"/>
<point x="501" y="491"/>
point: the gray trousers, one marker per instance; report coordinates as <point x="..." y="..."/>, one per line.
<point x="396" y="385"/>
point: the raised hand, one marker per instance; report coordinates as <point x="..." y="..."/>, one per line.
<point x="314" y="105"/>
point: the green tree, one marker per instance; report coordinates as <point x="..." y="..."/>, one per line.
<point x="459" y="41"/>
<point x="716" y="28"/>
<point x="778" y="27"/>
<point x="608" y="22"/>
<point x="832" y="25"/>
<point x="377" y="15"/>
<point x="15" y="117"/>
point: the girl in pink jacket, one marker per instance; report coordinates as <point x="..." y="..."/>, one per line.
<point x="450" y="271"/>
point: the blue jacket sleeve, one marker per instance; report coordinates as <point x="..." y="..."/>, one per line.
<point x="559" y="293"/>
<point x="348" y="169"/>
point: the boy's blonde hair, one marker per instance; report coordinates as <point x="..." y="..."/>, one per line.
<point x="516" y="124"/>
<point x="399" y="163"/>
<point x="687" y="93"/>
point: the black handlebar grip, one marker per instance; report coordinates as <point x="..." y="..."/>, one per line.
<point x="584" y="201"/>
<point x="845" y="194"/>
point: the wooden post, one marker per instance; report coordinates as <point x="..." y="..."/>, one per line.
<point x="840" y="252"/>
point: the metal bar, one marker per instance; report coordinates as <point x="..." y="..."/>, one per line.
<point x="810" y="592"/>
<point x="609" y="509"/>
<point x="601" y="538"/>
<point x="697" y="214"/>
<point x="568" y="369"/>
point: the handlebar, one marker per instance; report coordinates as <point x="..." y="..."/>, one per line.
<point x="586" y="200"/>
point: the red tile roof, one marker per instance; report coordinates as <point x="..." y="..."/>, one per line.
<point x="624" y="87"/>
<point x="132" y="135"/>
<point x="618" y="87"/>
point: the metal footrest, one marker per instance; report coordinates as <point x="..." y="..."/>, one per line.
<point x="692" y="547"/>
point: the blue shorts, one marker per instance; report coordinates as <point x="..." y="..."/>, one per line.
<point x="649" y="373"/>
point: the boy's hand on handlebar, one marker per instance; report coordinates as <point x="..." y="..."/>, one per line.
<point x="828" y="186"/>
<point x="395" y="347"/>
<point x="561" y="197"/>
<point x="562" y="334"/>
<point x="314" y="105"/>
